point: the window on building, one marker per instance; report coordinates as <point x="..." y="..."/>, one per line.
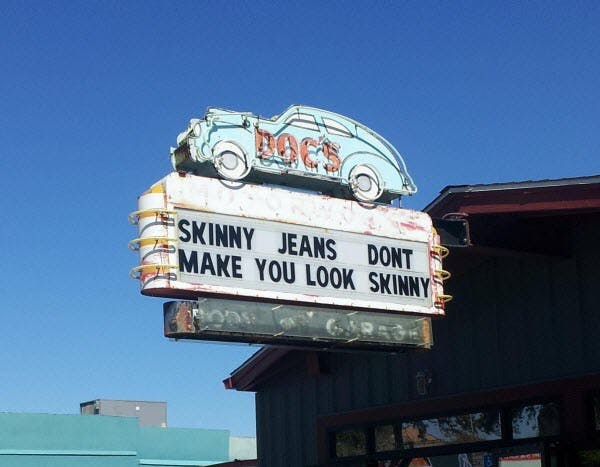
<point x="596" y="412"/>
<point x="455" y="429"/>
<point x="305" y="121"/>
<point x="350" y="443"/>
<point x="387" y="437"/>
<point x="536" y="421"/>
<point x="336" y="128"/>
<point x="414" y="434"/>
<point x="589" y="458"/>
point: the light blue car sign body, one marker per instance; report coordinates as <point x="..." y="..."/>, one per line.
<point x="303" y="147"/>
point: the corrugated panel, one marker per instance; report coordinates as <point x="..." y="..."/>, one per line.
<point x="286" y="419"/>
<point x="378" y="377"/>
<point x="309" y="397"/>
<point x="399" y="377"/>
<point x="539" y="331"/>
<point x="506" y="295"/>
<point x="544" y="352"/>
<point x="263" y="435"/>
<point x="567" y="318"/>
<point x="324" y="393"/>
<point x="360" y="382"/>
<point x="588" y="258"/>
<point x="342" y="385"/>
<point x="281" y="424"/>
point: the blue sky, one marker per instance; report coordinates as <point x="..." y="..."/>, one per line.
<point x="94" y="93"/>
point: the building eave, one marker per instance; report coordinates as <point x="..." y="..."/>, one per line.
<point x="560" y="195"/>
<point x="245" y="377"/>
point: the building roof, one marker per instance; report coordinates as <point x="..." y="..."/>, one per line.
<point x="248" y="375"/>
<point x="526" y="198"/>
<point x="551" y="196"/>
<point x="69" y="439"/>
<point x="122" y="400"/>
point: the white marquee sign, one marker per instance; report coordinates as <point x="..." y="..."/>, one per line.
<point x="201" y="236"/>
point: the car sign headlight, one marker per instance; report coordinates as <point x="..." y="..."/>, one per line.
<point x="197" y="130"/>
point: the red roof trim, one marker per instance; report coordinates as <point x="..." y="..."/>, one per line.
<point x="246" y="376"/>
<point x="519" y="198"/>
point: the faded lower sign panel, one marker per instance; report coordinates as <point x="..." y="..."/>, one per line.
<point x="256" y="322"/>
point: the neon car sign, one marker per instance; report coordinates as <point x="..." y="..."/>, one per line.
<point x="304" y="147"/>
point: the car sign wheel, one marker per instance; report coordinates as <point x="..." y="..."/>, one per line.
<point x="230" y="160"/>
<point x="365" y="183"/>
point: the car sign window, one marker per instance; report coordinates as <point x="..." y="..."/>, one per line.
<point x="336" y="128"/>
<point x="303" y="121"/>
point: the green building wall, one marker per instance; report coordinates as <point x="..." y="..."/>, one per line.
<point x="28" y="440"/>
<point x="182" y="446"/>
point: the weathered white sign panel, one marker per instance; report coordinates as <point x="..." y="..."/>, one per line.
<point x="200" y="236"/>
<point x="269" y="256"/>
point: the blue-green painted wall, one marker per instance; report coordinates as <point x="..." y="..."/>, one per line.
<point x="28" y="440"/>
<point x="183" y="444"/>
